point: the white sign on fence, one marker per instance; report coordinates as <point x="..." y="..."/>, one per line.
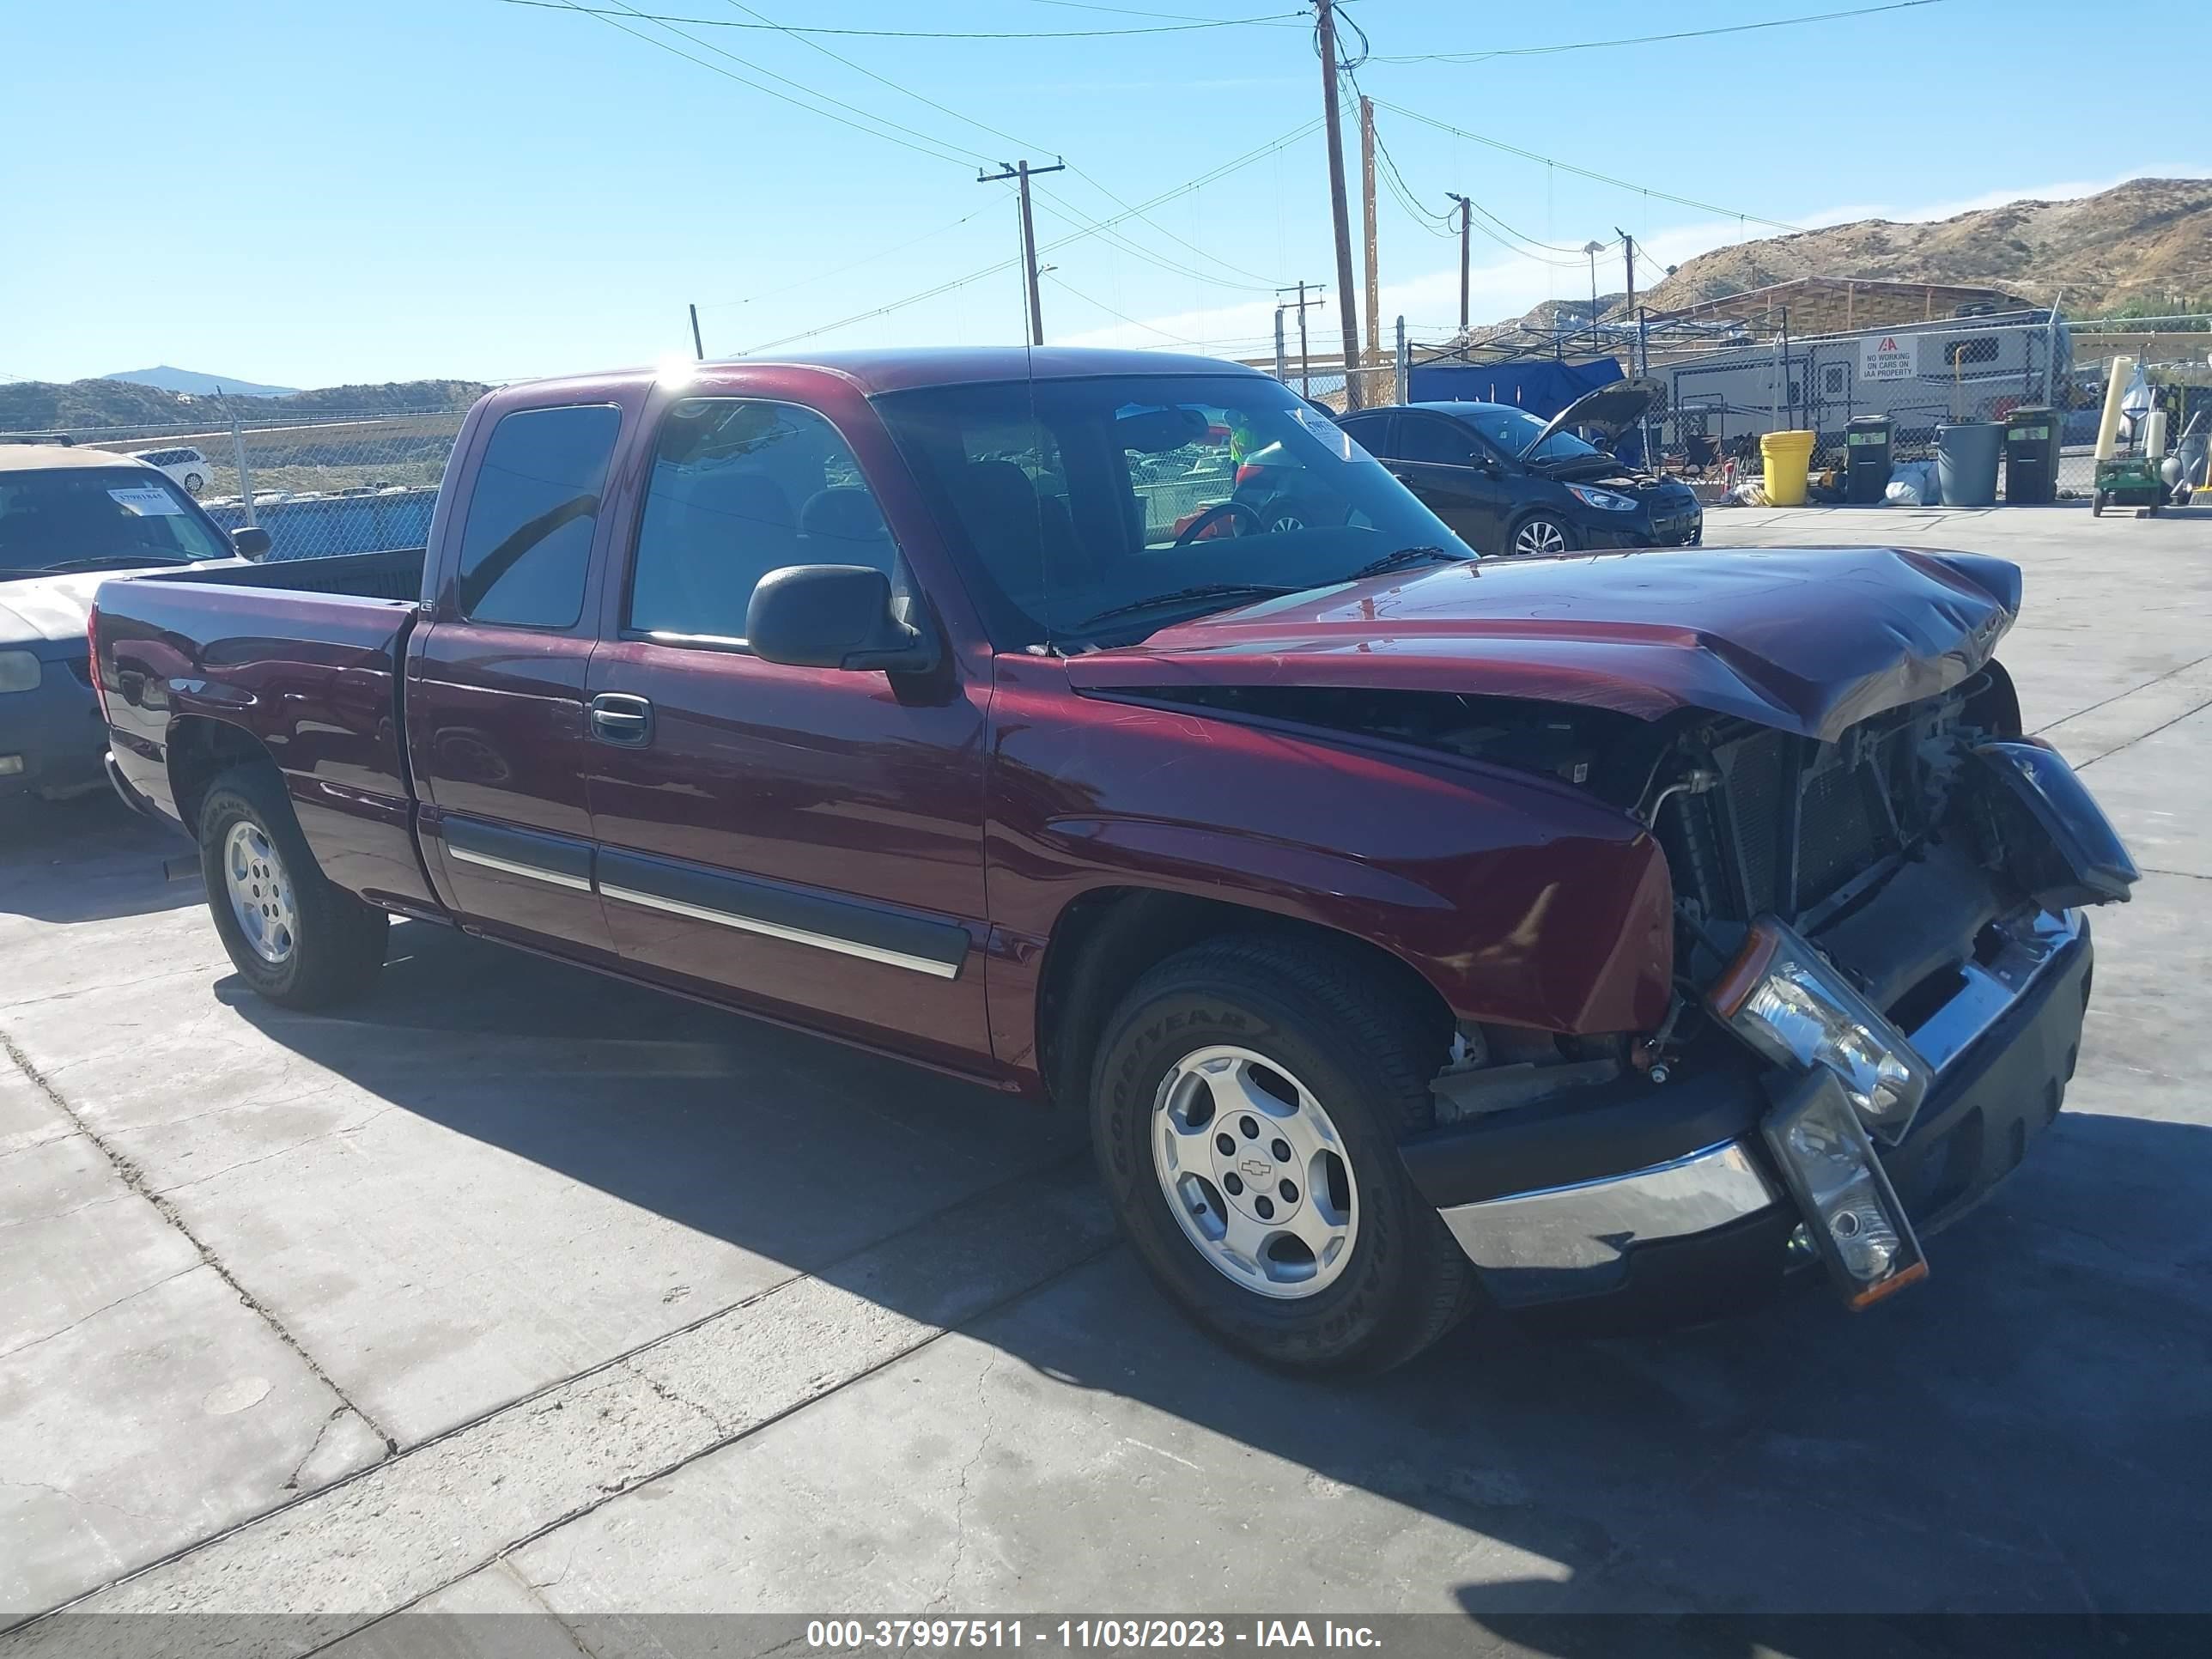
<point x="1888" y="357"/>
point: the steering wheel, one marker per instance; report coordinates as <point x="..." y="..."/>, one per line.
<point x="1213" y="515"/>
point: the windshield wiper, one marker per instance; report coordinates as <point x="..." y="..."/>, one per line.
<point x="1407" y="555"/>
<point x="1244" y="591"/>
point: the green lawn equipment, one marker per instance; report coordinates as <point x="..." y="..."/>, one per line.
<point x="2127" y="481"/>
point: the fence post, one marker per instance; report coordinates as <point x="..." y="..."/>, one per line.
<point x="1282" y="369"/>
<point x="238" y="454"/>
<point x="1403" y="365"/>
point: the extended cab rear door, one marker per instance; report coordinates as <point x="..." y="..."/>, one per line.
<point x="496" y="719"/>
<point x="805" y="841"/>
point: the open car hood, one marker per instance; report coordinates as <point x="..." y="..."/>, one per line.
<point x="1610" y="410"/>
<point x="1803" y="640"/>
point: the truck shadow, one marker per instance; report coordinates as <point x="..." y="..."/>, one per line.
<point x="2026" y="1434"/>
<point x="87" y="859"/>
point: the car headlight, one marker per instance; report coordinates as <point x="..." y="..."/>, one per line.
<point x="1787" y="1001"/>
<point x="1602" y="498"/>
<point x="19" y="672"/>
<point x="1851" y="1211"/>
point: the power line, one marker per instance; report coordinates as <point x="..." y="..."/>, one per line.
<point x="1203" y="179"/>
<point x="921" y="35"/>
<point x="929" y="146"/>
<point x="1650" y="39"/>
<point x="1134" y="322"/>
<point x="839" y="271"/>
<point x="905" y="91"/>
<point x="1071" y="215"/>
<point x="1585" y="173"/>
<point x="1297" y="19"/>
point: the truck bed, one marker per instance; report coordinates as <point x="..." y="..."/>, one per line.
<point x="304" y="657"/>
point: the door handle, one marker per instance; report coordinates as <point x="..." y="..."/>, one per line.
<point x="617" y="717"/>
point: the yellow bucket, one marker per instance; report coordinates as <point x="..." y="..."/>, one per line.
<point x="1786" y="455"/>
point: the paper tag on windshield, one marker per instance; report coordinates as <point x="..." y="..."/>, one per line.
<point x="1338" y="441"/>
<point x="146" y="502"/>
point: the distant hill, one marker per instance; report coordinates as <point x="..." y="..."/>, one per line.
<point x="82" y="405"/>
<point x="2146" y="242"/>
<point x="165" y="379"/>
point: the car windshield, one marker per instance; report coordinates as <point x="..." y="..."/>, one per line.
<point x="1098" y="510"/>
<point x="1512" y="430"/>
<point x="85" y="518"/>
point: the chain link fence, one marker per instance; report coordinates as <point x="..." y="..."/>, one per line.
<point x="362" y="483"/>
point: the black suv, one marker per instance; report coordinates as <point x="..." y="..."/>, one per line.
<point x="1507" y="481"/>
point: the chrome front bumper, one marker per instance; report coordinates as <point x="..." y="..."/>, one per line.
<point x="1575" y="1240"/>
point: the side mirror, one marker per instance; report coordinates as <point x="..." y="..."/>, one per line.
<point x="833" y="616"/>
<point x="251" y="542"/>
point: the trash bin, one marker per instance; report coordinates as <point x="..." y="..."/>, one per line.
<point x="1786" y="456"/>
<point x="1866" y="458"/>
<point x="2030" y="454"/>
<point x="1967" y="457"/>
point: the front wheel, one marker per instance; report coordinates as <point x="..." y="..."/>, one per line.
<point x="295" y="938"/>
<point x="1247" y="1105"/>
<point x="195" y="485"/>
<point x="1539" y="534"/>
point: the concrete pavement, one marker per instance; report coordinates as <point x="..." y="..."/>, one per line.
<point x="513" y="1288"/>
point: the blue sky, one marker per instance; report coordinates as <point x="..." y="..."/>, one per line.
<point x="314" y="194"/>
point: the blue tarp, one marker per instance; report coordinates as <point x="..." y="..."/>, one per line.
<point x="1543" y="386"/>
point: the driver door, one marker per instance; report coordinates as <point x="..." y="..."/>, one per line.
<point x="1456" y="476"/>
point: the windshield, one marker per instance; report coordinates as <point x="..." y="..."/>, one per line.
<point x="1513" y="430"/>
<point x="83" y="518"/>
<point x="1098" y="510"/>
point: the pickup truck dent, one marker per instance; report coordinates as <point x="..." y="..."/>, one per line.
<point x="1518" y="826"/>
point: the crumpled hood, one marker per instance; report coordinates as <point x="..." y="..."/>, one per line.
<point x="48" y="610"/>
<point x="1804" y="639"/>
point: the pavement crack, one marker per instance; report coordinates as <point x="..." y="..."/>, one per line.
<point x="661" y="1390"/>
<point x="292" y="1481"/>
<point x="2163" y="726"/>
<point x="960" y="1504"/>
<point x="21" y="1347"/>
<point x="132" y="1175"/>
<point x="80" y="1501"/>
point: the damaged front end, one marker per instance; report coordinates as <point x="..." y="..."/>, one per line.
<point x="1882" y="970"/>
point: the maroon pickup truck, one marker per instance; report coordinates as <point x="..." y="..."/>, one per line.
<point x="1633" y="930"/>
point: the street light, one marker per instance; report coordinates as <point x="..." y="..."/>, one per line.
<point x="1593" y="249"/>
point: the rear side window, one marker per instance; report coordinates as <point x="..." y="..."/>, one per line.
<point x="741" y="487"/>
<point x="526" y="548"/>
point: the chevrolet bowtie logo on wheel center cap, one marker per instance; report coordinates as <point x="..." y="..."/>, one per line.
<point x="1256" y="1169"/>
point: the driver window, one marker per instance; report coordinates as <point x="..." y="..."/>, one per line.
<point x="1439" y="443"/>
<point x="741" y="487"/>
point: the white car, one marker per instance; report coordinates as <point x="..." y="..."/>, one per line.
<point x="185" y="463"/>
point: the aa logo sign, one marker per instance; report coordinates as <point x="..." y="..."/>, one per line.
<point x="1888" y="357"/>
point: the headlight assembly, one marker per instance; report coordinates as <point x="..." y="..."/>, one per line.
<point x="19" y="672"/>
<point x="1602" y="498"/>
<point x="1786" y="1000"/>
<point x="1851" y="1211"/>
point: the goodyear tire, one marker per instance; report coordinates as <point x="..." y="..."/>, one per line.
<point x="295" y="938"/>
<point x="1247" y="1102"/>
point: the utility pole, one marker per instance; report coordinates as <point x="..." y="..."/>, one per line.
<point x="1628" y="253"/>
<point x="697" y="351"/>
<point x="1023" y="172"/>
<point x="1325" y="11"/>
<point x="1466" y="225"/>
<point x="1305" y="377"/>
<point x="1367" y="202"/>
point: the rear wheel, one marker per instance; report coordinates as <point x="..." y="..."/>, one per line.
<point x="195" y="485"/>
<point x="1541" y="533"/>
<point x="294" y="938"/>
<point x="1246" y="1107"/>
